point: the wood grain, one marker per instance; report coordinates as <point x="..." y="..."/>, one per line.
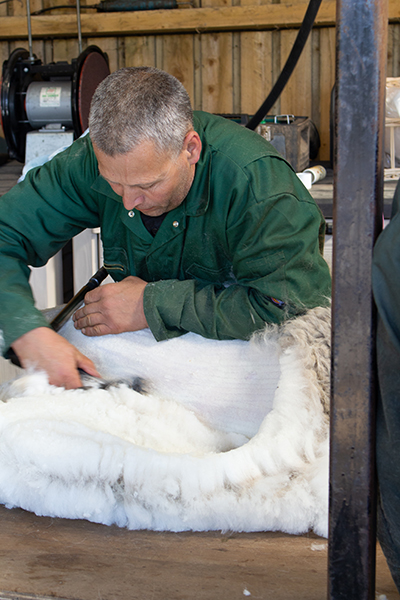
<point x="209" y="18"/>
<point x="327" y="80"/>
<point x="177" y="59"/>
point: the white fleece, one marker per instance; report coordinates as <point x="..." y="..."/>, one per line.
<point x="231" y="436"/>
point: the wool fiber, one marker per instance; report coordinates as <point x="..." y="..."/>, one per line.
<point x="230" y="436"/>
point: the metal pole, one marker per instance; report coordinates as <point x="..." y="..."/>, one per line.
<point x="357" y="218"/>
<point x="78" y="16"/>
<point x="28" y="14"/>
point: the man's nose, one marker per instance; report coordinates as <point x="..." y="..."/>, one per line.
<point x="132" y="197"/>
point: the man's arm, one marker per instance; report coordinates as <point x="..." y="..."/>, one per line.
<point x="279" y="271"/>
<point x="37" y="218"/>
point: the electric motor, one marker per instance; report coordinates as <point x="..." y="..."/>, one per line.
<point x="34" y="95"/>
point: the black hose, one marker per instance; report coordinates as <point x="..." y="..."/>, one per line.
<point x="49" y="8"/>
<point x="75" y="302"/>
<point x="116" y="5"/>
<point x="290" y="64"/>
<point x="66" y="312"/>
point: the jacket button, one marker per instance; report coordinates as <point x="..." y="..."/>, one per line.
<point x="175" y="224"/>
<point x="131" y="213"/>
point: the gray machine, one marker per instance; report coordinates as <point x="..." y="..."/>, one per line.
<point x="45" y="107"/>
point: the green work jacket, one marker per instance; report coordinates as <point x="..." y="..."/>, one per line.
<point x="242" y="250"/>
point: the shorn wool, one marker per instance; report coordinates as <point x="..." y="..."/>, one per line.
<point x="227" y="435"/>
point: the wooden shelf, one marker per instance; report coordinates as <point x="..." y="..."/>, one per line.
<point x="195" y="20"/>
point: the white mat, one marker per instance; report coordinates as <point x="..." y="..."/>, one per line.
<point x="231" y="436"/>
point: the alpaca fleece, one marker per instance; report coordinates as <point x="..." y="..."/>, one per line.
<point x="229" y="436"/>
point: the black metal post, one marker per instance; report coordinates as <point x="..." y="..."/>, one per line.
<point x="358" y="187"/>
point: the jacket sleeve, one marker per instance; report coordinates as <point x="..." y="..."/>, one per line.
<point x="37" y="217"/>
<point x="277" y="263"/>
<point x="385" y="274"/>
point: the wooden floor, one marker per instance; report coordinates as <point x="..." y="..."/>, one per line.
<point x="42" y="557"/>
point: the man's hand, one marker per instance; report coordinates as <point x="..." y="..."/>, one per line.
<point x="44" y="349"/>
<point x="113" y="308"/>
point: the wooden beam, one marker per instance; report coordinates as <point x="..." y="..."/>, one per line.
<point x="196" y="20"/>
<point x="357" y="216"/>
<point x="224" y="18"/>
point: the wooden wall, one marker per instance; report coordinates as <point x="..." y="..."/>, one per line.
<point x="224" y="72"/>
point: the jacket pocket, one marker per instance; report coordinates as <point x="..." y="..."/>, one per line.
<point x="116" y="262"/>
<point x="259" y="267"/>
<point x="224" y="275"/>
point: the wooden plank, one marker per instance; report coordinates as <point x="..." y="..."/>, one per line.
<point x="177" y="59"/>
<point x="78" y="559"/>
<point x="315" y="76"/>
<point x="59" y="12"/>
<point x="197" y="72"/>
<point x="4" y="9"/>
<point x="38" y="49"/>
<point x="212" y="18"/>
<point x="65" y="50"/>
<point x="18" y="43"/>
<point x="38" y="46"/>
<point x="217" y="72"/>
<point x="44" y="558"/>
<point x="217" y="84"/>
<point x="256" y="69"/>
<point x="393" y="59"/>
<point x="17" y="8"/>
<point x="243" y="18"/>
<point x="35" y="5"/>
<point x="255" y="65"/>
<point x="327" y="80"/>
<point x="396" y="50"/>
<point x="236" y="74"/>
<point x="139" y="51"/>
<point x="389" y="64"/>
<point x="296" y="97"/>
<point x="48" y="51"/>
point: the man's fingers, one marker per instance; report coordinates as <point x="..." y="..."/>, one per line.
<point x="79" y="314"/>
<point x="113" y="308"/>
<point x="93" y="325"/>
<point x="101" y="329"/>
<point x="90" y="320"/>
<point x="96" y="294"/>
<point x="87" y="365"/>
<point x="70" y="381"/>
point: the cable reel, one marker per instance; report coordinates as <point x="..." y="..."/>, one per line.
<point x="35" y="96"/>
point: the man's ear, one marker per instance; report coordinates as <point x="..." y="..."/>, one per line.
<point x="192" y="147"/>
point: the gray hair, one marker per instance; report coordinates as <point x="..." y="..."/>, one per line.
<point x="139" y="104"/>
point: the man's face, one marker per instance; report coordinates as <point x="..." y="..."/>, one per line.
<point x="148" y="181"/>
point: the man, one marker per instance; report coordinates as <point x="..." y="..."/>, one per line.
<point x="386" y="288"/>
<point x="205" y="228"/>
